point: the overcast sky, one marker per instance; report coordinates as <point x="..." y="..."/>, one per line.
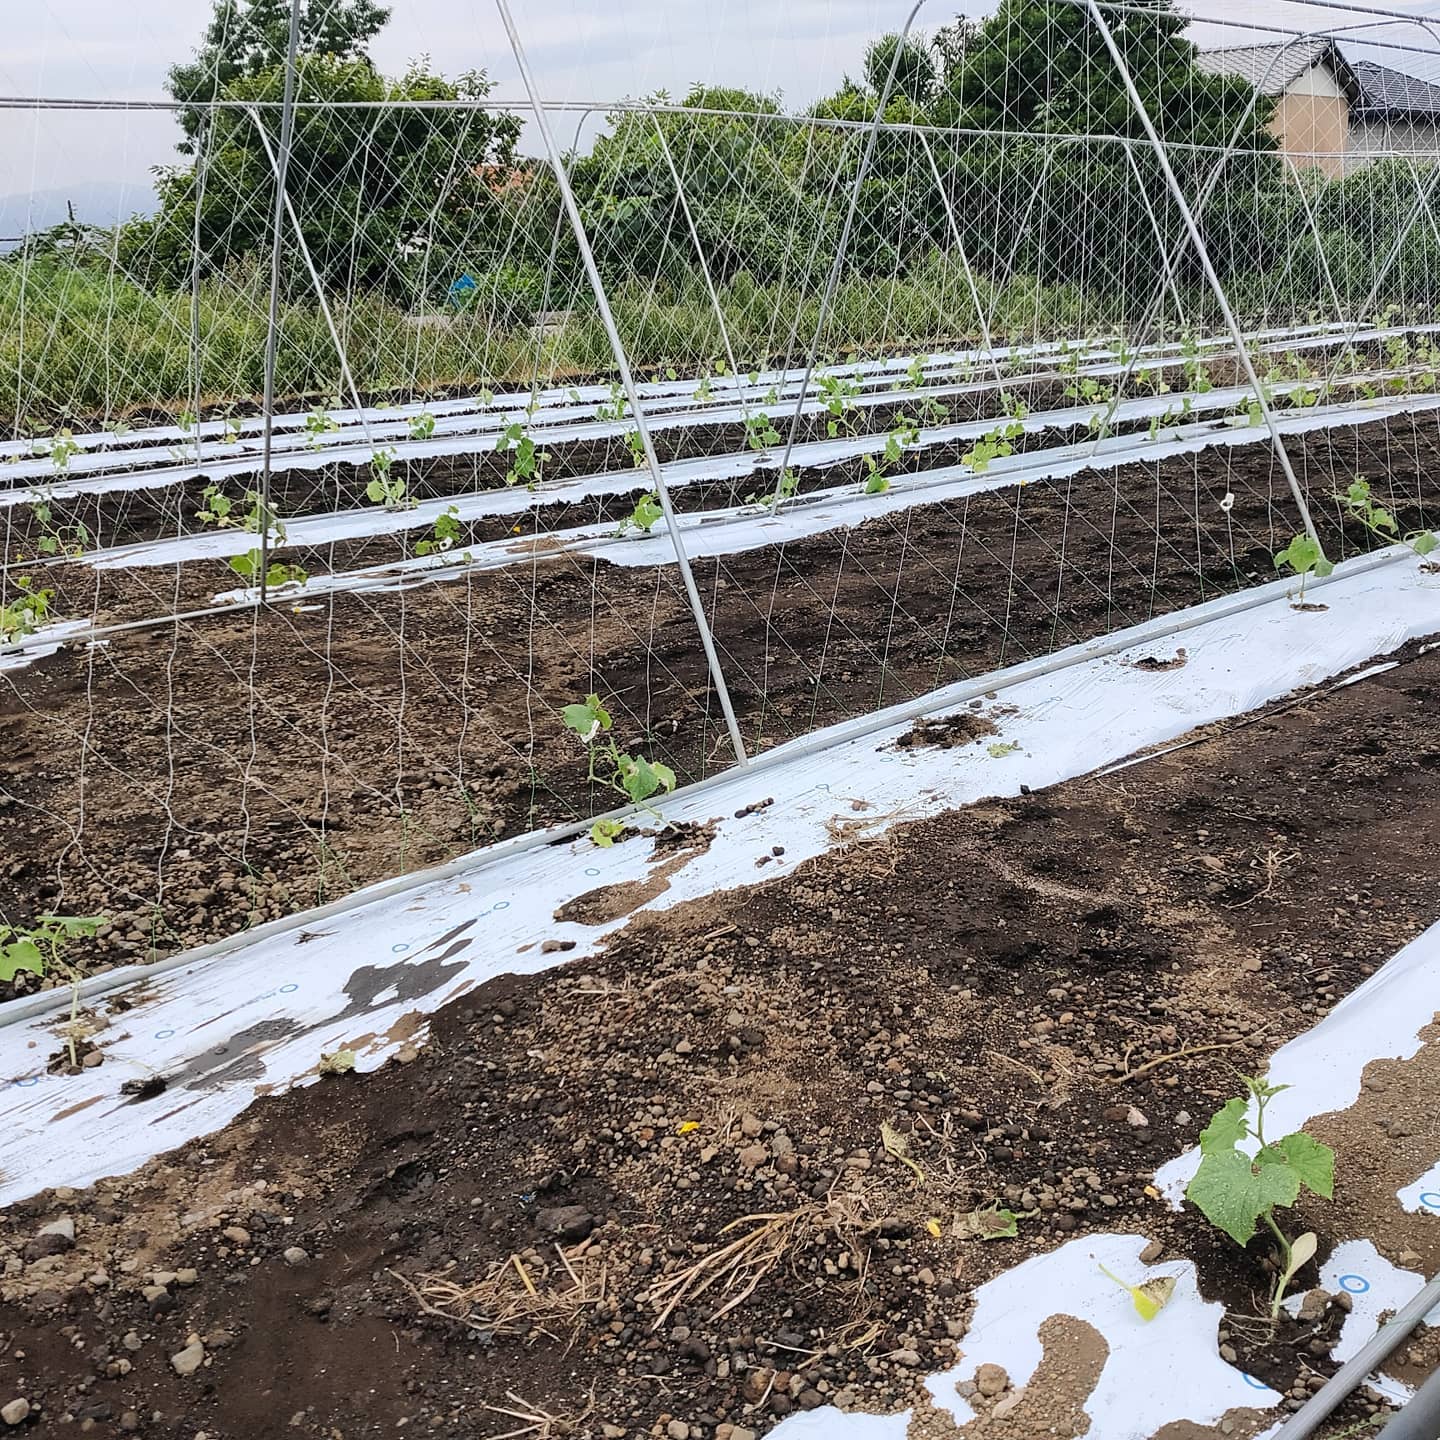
<point x="579" y="50"/>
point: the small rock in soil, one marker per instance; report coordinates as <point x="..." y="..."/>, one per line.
<point x="991" y="1379"/>
<point x="566" y="1222"/>
<point x="53" y="1239"/>
<point x="190" y="1359"/>
<point x="16" y="1412"/>
<point x="294" y="1255"/>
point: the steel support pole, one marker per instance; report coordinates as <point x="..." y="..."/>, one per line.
<point x="1202" y="200"/>
<point x="1203" y="254"/>
<point x="627" y="380"/>
<point x="347" y="378"/>
<point x="277" y="230"/>
<point x="1422" y="207"/>
<point x="201" y="136"/>
<point x="986" y="335"/>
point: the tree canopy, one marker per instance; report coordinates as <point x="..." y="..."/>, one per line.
<point x="249" y="37"/>
<point x="386" y="193"/>
<point x="1043" y="165"/>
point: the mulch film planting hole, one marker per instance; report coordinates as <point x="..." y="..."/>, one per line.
<point x="722" y="1172"/>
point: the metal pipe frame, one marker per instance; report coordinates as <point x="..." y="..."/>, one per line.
<point x="1197" y="240"/>
<point x="832" y="281"/>
<point x="316" y="285"/>
<point x="277" y="229"/>
<point x="1212" y="181"/>
<point x="627" y="381"/>
<point x="704" y="264"/>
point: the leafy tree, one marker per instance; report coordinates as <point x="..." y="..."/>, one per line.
<point x="747" y="183"/>
<point x="915" y="74"/>
<point x="245" y="38"/>
<point x="390" y="198"/>
<point x="1041" y="67"/>
<point x="950" y="43"/>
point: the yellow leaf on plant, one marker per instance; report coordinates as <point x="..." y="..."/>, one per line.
<point x="1150" y="1298"/>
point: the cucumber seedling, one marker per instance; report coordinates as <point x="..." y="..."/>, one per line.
<point x="26" y="612"/>
<point x="215" y="508"/>
<point x="1237" y="1191"/>
<point x="422" y="427"/>
<point x="1172" y="415"/>
<point x="40" y="948"/>
<point x="789" y="484"/>
<point x="633" y="776"/>
<point x="528" y="459"/>
<point x="61" y="449"/>
<point x="760" y="432"/>
<point x="277" y="573"/>
<point x="642" y="518"/>
<point x="616" y="407"/>
<point x="999" y="442"/>
<point x="1304" y="557"/>
<point x="318" y="424"/>
<point x="444" y="535"/>
<point x="837" y="395"/>
<point x="905" y="431"/>
<point x="69" y="540"/>
<point x="1359" y="503"/>
<point x="384" y="488"/>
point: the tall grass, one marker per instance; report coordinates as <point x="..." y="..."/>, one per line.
<point x="82" y="344"/>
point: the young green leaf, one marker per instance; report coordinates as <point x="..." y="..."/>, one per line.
<point x="1227" y="1128"/>
<point x="1233" y="1191"/>
<point x="1311" y="1161"/>
<point x="20" y="954"/>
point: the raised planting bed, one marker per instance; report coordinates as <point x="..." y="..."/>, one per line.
<point x="1039" y="1001"/>
<point x="187" y="780"/>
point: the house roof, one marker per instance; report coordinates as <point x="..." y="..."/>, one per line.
<point x="1271" y="68"/>
<point x="1373" y="89"/>
<point x="1383" y="91"/>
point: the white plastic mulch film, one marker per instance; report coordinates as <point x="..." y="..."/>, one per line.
<point x="322" y="496"/>
<point x="188" y="1049"/>
<point x="933" y="389"/>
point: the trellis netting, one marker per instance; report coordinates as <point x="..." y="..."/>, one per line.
<point x="933" y="386"/>
<point x="433" y="475"/>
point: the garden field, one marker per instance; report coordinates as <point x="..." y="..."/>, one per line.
<point x="773" y="775"/>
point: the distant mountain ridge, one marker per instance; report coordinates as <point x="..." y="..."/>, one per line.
<point x="96" y="202"/>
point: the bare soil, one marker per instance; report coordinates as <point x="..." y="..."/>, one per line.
<point x="1042" y="999"/>
<point x="186" y="781"/>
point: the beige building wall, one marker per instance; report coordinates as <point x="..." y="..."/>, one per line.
<point x="1312" y="121"/>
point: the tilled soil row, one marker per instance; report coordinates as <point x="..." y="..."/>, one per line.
<point x="188" y="781"/>
<point x="125" y="516"/>
<point x="1037" y="1001"/>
